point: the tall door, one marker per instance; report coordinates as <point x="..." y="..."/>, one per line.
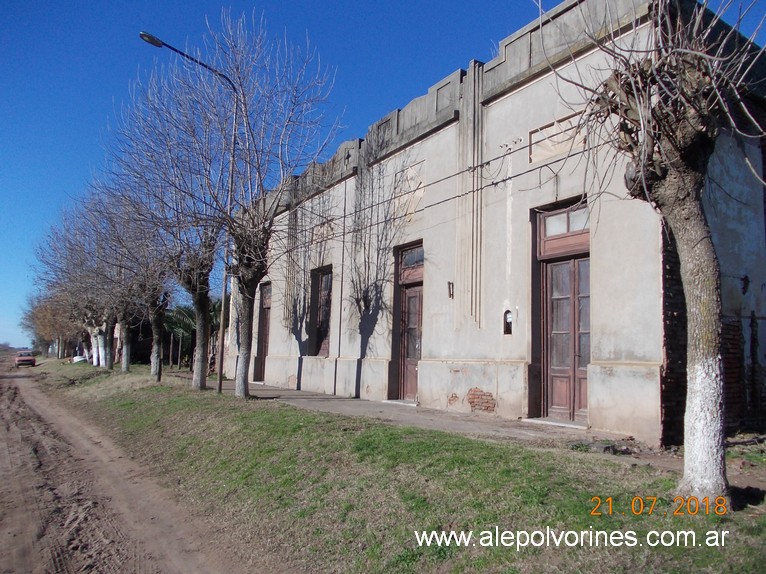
<point x="264" y="320"/>
<point x="568" y="338"/>
<point x="412" y="327"/>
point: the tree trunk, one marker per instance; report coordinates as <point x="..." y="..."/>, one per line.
<point x="245" y="309"/>
<point x="126" y="344"/>
<point x="158" y="327"/>
<point x="99" y="352"/>
<point x="170" y="350"/>
<point x="704" y="462"/>
<point x="202" y="312"/>
<point x="109" y="343"/>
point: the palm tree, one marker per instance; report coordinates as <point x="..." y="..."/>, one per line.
<point x="180" y="322"/>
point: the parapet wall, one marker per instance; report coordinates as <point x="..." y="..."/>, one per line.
<point x="559" y="35"/>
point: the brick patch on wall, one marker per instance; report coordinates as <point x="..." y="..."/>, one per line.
<point x="673" y="374"/>
<point x="481" y="400"/>
<point x="732" y="355"/>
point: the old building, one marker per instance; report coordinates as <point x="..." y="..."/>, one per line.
<point x="465" y="256"/>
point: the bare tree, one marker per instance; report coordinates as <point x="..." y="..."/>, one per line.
<point x="175" y="149"/>
<point x="280" y="92"/>
<point x="136" y="255"/>
<point x="672" y="86"/>
<point x="75" y="265"/>
<point x="48" y="320"/>
<point x="171" y="167"/>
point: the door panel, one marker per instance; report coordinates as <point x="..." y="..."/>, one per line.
<point x="567" y="320"/>
<point x="412" y="321"/>
<point x="582" y="349"/>
<point x="264" y="320"/>
<point x="560" y="351"/>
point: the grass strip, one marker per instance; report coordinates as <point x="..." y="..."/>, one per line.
<point x="330" y="493"/>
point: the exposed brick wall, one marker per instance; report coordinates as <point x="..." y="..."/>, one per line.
<point x="673" y="375"/>
<point x="732" y="354"/>
<point x="673" y="379"/>
<point x="481" y="400"/>
<point x="754" y="375"/>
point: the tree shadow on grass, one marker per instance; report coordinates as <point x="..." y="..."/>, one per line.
<point x="741" y="498"/>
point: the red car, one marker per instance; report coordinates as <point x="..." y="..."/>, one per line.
<point x="25" y="358"/>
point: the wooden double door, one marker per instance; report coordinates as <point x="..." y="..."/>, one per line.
<point x="567" y="337"/>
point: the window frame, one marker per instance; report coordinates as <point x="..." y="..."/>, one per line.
<point x="562" y="244"/>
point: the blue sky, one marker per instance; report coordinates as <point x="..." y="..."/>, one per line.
<point x="66" y="68"/>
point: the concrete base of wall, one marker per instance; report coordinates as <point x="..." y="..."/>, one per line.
<point x="330" y="376"/>
<point x="230" y="364"/>
<point x="614" y="393"/>
<point x="367" y="378"/>
<point x="492" y="387"/>
<point x="281" y="371"/>
<point x="497" y="388"/>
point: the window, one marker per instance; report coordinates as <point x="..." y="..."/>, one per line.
<point x="321" y="305"/>
<point x="412" y="257"/>
<point x="563" y="232"/>
<point x="571" y="220"/>
<point x="411" y="264"/>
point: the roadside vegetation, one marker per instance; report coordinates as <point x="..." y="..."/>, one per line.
<point x="333" y="493"/>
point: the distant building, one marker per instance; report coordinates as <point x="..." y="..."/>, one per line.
<point x="457" y="257"/>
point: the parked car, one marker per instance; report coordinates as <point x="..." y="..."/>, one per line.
<point x="25" y="358"/>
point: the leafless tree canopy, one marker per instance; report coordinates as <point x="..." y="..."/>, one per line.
<point x="667" y="97"/>
<point x="673" y="82"/>
<point x="280" y="91"/>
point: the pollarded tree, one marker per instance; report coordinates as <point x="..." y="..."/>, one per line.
<point x="674" y="83"/>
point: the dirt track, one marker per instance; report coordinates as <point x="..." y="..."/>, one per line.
<point x="70" y="502"/>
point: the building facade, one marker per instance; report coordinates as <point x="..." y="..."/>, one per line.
<point x="466" y="255"/>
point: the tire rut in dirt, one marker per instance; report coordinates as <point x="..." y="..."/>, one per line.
<point x="52" y="521"/>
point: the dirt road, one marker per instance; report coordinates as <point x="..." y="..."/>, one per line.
<point x="70" y="502"/>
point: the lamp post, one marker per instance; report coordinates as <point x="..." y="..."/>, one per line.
<point x="157" y="43"/>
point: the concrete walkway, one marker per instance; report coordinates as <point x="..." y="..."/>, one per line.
<point x="484" y="426"/>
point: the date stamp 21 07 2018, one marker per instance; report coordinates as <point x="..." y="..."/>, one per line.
<point x="682" y="505"/>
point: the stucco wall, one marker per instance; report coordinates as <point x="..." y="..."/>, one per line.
<point x="463" y="177"/>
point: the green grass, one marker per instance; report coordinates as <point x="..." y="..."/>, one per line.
<point x="346" y="494"/>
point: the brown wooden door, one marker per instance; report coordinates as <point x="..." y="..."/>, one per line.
<point x="264" y="320"/>
<point x="568" y="338"/>
<point x="412" y="331"/>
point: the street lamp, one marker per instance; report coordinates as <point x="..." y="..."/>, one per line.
<point x="157" y="43"/>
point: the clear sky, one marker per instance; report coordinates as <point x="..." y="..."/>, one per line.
<point x="66" y="68"/>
